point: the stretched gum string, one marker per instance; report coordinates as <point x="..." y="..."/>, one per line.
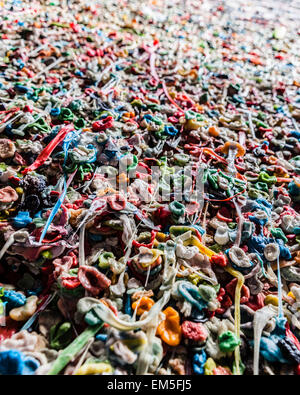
<point x="143" y="361"/>
<point x="204" y="223"/>
<point x="280" y="288"/>
<point x="57" y="205"/>
<point x="81" y="257"/>
<point x="48" y="68"/>
<point x="107" y="316"/>
<point x="91" y="213"/>
<point x="148" y="274"/>
<point x="81" y="360"/>
<point x="129" y="245"/>
<point x="6" y="246"/>
<point x="240" y="224"/>
<point x="14" y="109"/>
<point x="9" y="114"/>
<point x="70" y="352"/>
<point x="139" y="301"/>
<point x="42" y="306"/>
<point x="152" y="66"/>
<point x="231" y="166"/>
<point x="170" y="98"/>
<point x="10" y="241"/>
<point x="280" y="307"/>
<point x="295" y="125"/>
<point x="237" y="312"/>
<point x="242" y="138"/>
<point x="203" y="276"/>
<point x="230" y="161"/>
<point x="10" y="121"/>
<point x="251" y="125"/>
<point x="227" y="199"/>
<point x="151" y="52"/>
<point x="259" y="321"/>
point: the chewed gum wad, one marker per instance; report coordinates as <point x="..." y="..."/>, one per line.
<point x="149" y="188"/>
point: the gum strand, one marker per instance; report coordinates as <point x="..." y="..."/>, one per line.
<point x="237" y="312"/>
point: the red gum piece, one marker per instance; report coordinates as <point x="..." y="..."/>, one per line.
<point x="93" y="280"/>
<point x="256" y="302"/>
<point x="245" y="293"/>
<point x="219" y="259"/>
<point x="47" y="151"/>
<point x="70" y="282"/>
<point x="194" y="331"/>
<point x="291" y="336"/>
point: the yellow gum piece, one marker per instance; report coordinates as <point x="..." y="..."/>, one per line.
<point x="24" y="312"/>
<point x="271" y="299"/>
<point x="135" y="344"/>
<point x="209" y="366"/>
<point x="237" y="312"/>
<point x="291" y="295"/>
<point x="156" y="254"/>
<point x="161" y="236"/>
<point x="94" y="368"/>
<point x="195" y="242"/>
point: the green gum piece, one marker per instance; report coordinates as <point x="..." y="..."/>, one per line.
<point x="47" y="254"/>
<point x="260" y="124"/>
<point x="134" y="164"/>
<point x="213" y="181"/>
<point x="228" y="341"/>
<point x="177" y="208"/>
<point x="266" y="178"/>
<point x="262" y="186"/>
<point x="77" y="292"/>
<point x="60" y="335"/>
<point x="193" y="115"/>
<point x="66" y="114"/>
<point x="154" y="107"/>
<point x="216" y="248"/>
<point x="278" y="234"/>
<point x="261" y="116"/>
<point x="157" y="121"/>
<point x="113" y="224"/>
<point x="103" y="259"/>
<point x="79" y="124"/>
<point x="232" y="225"/>
<point x="3" y="166"/>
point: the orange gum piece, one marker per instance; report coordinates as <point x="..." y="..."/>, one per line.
<point x="232" y="144"/>
<point x="169" y="330"/>
<point x="144" y="304"/>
